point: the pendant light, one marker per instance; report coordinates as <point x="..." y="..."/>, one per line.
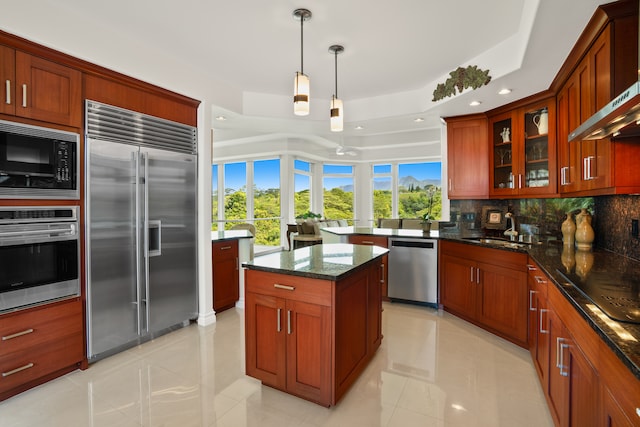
<point x="301" y="82"/>
<point x="337" y="111"/>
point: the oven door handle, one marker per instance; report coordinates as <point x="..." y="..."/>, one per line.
<point x="69" y="231"/>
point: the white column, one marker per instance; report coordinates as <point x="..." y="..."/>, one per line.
<point x="206" y="315"/>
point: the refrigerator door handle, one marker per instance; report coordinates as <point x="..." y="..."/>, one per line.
<point x="155" y="238"/>
<point x="139" y="297"/>
<point x="145" y="200"/>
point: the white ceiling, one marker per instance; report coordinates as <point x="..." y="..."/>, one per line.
<point x="249" y="50"/>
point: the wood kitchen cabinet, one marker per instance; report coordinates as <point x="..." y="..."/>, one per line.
<point x="467" y="157"/>
<point x="383" y="242"/>
<point x="523" y="151"/>
<point x="311" y="337"/>
<point x="39" y="344"/>
<point x="39" y="89"/>
<point x="487" y="287"/>
<point x="603" y="64"/>
<point x="538" y="335"/>
<point x="225" y="274"/>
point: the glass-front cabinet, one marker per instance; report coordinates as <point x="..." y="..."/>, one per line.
<point x="523" y="158"/>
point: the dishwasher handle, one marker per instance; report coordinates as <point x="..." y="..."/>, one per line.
<point x="413" y="244"/>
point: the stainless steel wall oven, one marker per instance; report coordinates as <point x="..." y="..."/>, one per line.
<point x="37" y="162"/>
<point x="39" y="255"/>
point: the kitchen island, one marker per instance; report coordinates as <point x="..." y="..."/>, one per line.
<point x="313" y="318"/>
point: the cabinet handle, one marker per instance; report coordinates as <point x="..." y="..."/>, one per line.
<point x="563" y="175"/>
<point x="542" y="329"/>
<point x="519" y="180"/>
<point x="478" y="276"/>
<point x="225" y="248"/>
<point x="531" y="267"/>
<point x="15" y="371"/>
<point x="638" y="412"/>
<point x="289" y="322"/>
<point x="539" y="280"/>
<point x="237" y="264"/>
<point x="382" y="277"/>
<point x="17" y="334"/>
<point x="563" y="371"/>
<point x="7" y="85"/>
<point x="279" y="324"/>
<point x="586" y="167"/>
<point x="471" y="278"/>
<point x="367" y="242"/>
<point x="285" y="287"/>
<point x="450" y="185"/>
<point x="24" y="96"/>
<point x="531" y="307"/>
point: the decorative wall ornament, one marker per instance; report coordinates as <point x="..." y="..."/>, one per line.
<point x="461" y="78"/>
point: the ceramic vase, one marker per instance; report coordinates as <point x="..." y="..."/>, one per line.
<point x="584" y="231"/>
<point x="568" y="230"/>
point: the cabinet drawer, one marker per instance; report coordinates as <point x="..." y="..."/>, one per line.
<point x="29" y="364"/>
<point x="224" y="250"/>
<point x="21" y="331"/>
<point x="538" y="279"/>
<point x="369" y="240"/>
<point x="298" y="288"/>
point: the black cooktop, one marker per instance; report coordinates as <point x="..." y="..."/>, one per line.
<point x="617" y="296"/>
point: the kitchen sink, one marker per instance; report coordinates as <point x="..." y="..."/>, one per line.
<point x="496" y="242"/>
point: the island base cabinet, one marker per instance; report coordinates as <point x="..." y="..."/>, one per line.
<point x="310" y="337"/>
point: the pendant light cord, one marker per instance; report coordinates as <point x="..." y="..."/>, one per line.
<point x="336" y="71"/>
<point x="301" y="44"/>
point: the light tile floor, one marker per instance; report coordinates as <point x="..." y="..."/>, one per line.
<point x="432" y="369"/>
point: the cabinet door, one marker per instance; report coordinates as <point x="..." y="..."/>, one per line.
<point x="613" y="414"/>
<point x="558" y="393"/>
<point x="502" y="302"/>
<point x="584" y="389"/>
<point x="537" y="162"/>
<point x="541" y="354"/>
<point x="374" y="310"/>
<point x="8" y="80"/>
<point x="458" y="285"/>
<point x="467" y="158"/>
<point x="308" y="343"/>
<point x="265" y="339"/>
<point x="569" y="168"/>
<point x="504" y="135"/>
<point x="378" y="241"/>
<point x="225" y="275"/>
<point x="48" y="91"/>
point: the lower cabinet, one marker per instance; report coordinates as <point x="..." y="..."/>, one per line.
<point x="309" y="337"/>
<point x="487" y="287"/>
<point x="538" y="322"/>
<point x="383" y="242"/>
<point x="225" y="274"/>
<point x="39" y="344"/>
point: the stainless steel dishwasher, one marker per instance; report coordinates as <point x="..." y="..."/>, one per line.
<point x="413" y="270"/>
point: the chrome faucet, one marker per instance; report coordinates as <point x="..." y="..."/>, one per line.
<point x="511" y="232"/>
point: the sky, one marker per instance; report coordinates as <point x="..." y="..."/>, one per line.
<point x="267" y="174"/>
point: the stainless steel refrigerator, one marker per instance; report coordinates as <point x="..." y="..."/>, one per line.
<point x="140" y="227"/>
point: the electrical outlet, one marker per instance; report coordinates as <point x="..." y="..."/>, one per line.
<point x="634" y="228"/>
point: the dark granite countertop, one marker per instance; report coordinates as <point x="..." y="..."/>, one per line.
<point x="330" y="261"/>
<point x="218" y="236"/>
<point x="622" y="337"/>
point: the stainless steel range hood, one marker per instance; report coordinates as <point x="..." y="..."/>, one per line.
<point x="612" y="118"/>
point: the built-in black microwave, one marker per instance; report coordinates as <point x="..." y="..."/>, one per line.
<point x="38" y="162"/>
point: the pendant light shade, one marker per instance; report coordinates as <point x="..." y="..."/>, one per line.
<point x="301" y="93"/>
<point x="337" y="111"/>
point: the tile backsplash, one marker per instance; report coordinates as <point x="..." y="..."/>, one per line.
<point x="612" y="217"/>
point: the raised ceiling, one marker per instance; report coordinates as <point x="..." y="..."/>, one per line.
<point x="247" y="51"/>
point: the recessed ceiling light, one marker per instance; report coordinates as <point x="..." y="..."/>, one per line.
<point x="475" y="103"/>
<point x="221" y="118"/>
<point x="418" y="120"/>
<point x="359" y="127"/>
<point x="504" y="91"/>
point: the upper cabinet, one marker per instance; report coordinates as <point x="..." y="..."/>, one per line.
<point x="603" y="64"/>
<point x="523" y="151"/>
<point x="467" y="157"/>
<point x="38" y="89"/>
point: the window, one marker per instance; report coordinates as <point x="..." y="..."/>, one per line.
<point x="302" y="187"/>
<point x="214" y="197"/>
<point x="417" y="187"/>
<point x="235" y="192"/>
<point x="338" y="191"/>
<point x="266" y="201"/>
<point x="382" y="192"/>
